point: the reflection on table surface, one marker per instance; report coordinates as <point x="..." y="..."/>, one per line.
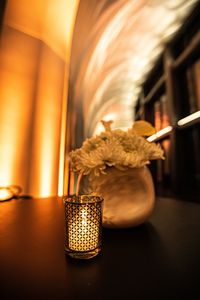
<point x="159" y="258"/>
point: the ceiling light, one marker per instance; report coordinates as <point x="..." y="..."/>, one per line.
<point x="161" y="133"/>
<point x="189" y="118"/>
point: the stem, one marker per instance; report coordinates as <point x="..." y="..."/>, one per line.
<point x="78" y="182"/>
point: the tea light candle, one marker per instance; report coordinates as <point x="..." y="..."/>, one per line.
<point x="5" y="194"/>
<point x="83" y="215"/>
<point x="9" y="192"/>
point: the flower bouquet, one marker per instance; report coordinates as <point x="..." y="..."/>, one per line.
<point x="115" y="165"/>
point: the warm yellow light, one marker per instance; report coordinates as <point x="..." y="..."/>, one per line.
<point x="9" y="192"/>
<point x="83" y="225"/>
<point x="35" y="53"/>
<point x="5" y="194"/>
<point x="46" y="127"/>
<point x="48" y="20"/>
<point x="17" y="73"/>
<point x="63" y="164"/>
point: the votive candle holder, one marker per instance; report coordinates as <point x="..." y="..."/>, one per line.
<point x="83" y="218"/>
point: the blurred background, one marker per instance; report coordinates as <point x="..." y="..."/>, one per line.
<point x="65" y="65"/>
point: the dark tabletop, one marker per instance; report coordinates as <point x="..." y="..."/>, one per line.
<point x="157" y="260"/>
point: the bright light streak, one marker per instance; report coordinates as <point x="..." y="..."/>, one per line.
<point x="160" y="133"/>
<point x="117" y="56"/>
<point x="63" y="137"/>
<point x="189" y="118"/>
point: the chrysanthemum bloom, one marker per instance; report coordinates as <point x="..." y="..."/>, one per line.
<point x="116" y="148"/>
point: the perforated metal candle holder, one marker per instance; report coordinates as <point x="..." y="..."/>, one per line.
<point x="83" y="216"/>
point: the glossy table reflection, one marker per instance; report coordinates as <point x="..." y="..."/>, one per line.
<point x="159" y="259"/>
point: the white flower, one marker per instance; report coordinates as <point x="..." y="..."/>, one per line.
<point x="115" y="148"/>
